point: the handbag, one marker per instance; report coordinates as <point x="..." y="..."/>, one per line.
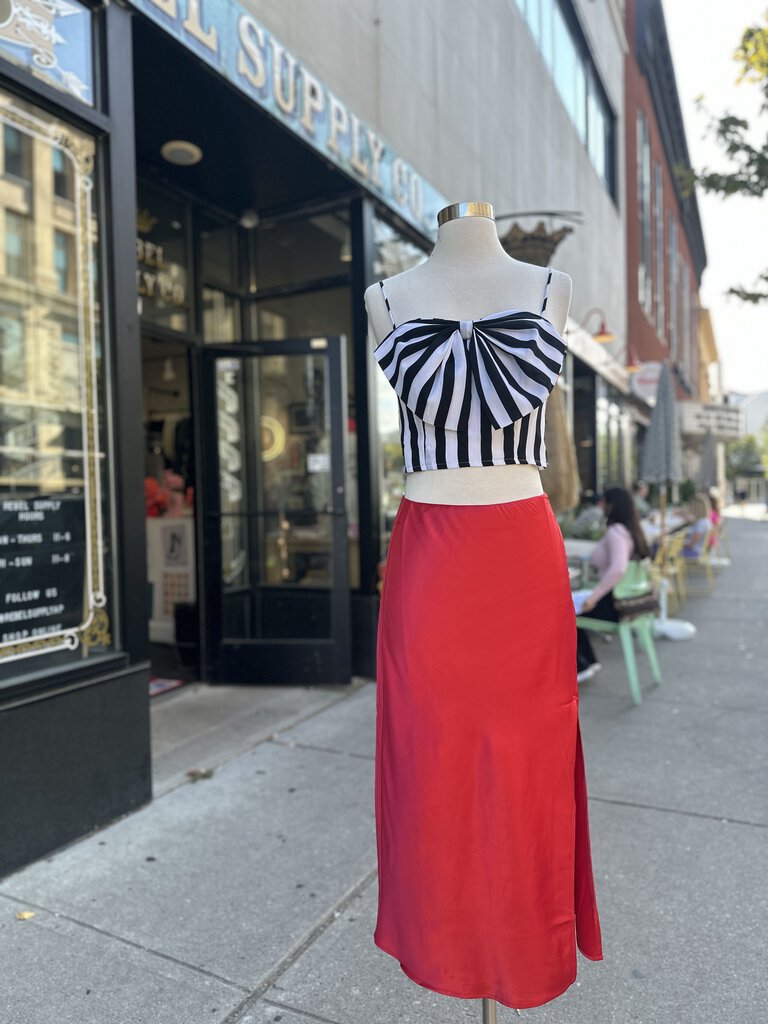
<point x="636" y="594"/>
<point x="638" y="604"/>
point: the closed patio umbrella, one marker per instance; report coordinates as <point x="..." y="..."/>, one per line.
<point x="561" y="477"/>
<point x="662" y="463"/>
<point x="706" y="478"/>
<point x="662" y="460"/>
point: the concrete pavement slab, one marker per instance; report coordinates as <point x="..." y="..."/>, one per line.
<point x="350" y="729"/>
<point x="702" y="760"/>
<point x="227" y="874"/>
<point x="63" y="973"/>
<point x="682" y="902"/>
<point x="204" y="726"/>
<point x="265" y="1012"/>
<point x="725" y="663"/>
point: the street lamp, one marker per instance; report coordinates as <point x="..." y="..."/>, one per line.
<point x="603" y="334"/>
<point x="633" y="365"/>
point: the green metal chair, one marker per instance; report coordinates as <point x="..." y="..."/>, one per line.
<point x="634" y="582"/>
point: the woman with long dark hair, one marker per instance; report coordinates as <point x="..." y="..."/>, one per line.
<point x="622" y="541"/>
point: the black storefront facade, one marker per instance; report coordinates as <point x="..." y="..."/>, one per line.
<point x="197" y="459"/>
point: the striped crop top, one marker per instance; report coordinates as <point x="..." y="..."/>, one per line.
<point x="472" y="392"/>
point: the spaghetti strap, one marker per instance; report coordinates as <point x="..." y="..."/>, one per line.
<point x="386" y="300"/>
<point x="546" y="289"/>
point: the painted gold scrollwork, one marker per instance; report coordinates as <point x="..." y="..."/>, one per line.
<point x="97" y="633"/>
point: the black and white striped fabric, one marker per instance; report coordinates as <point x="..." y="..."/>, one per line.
<point x="473" y="392"/>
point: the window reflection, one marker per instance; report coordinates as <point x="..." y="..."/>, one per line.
<point x="570" y="64"/>
<point x="17" y="153"/>
<point x="63" y="176"/>
<point x="219" y="252"/>
<point x="309" y="315"/>
<point x="393" y="254"/>
<point x="63" y="260"/>
<point x="16" y="245"/>
<point x="288" y="252"/>
<point x="221" y="316"/>
<point x="53" y="508"/>
<point x="162" y="256"/>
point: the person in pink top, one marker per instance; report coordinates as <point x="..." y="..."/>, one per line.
<point x="716" y="519"/>
<point x="622" y="541"/>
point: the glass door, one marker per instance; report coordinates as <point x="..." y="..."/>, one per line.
<point x="275" y="520"/>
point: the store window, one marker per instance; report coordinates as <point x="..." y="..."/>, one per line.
<point x="659" y="277"/>
<point x="221" y="316"/>
<point x="685" y="331"/>
<point x="219" y="253"/>
<point x="584" y="411"/>
<point x="316" y="314"/>
<point x="220" y="269"/>
<point x="306" y="248"/>
<point x="644" y="283"/>
<point x="613" y="425"/>
<point x="570" y="64"/>
<point x="393" y="253"/>
<point x="162" y="260"/>
<point x="672" y="261"/>
<point x="53" y="41"/>
<point x="55" y="561"/>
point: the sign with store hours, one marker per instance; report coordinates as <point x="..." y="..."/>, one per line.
<point x="725" y="421"/>
<point x="42" y="566"/>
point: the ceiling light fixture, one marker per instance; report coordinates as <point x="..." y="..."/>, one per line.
<point x="603" y="334"/>
<point x="181" y="152"/>
<point x="249" y="219"/>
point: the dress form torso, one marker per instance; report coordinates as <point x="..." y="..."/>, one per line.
<point x="468" y="276"/>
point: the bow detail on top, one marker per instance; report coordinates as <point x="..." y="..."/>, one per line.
<point x="510" y="360"/>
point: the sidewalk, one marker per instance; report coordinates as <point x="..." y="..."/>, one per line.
<point x="250" y="897"/>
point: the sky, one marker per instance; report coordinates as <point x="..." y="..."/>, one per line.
<point x="703" y="35"/>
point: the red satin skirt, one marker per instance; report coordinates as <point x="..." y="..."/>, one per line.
<point x="485" y="872"/>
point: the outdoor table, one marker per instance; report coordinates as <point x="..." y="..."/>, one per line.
<point x="580" y="551"/>
<point x="672" y="523"/>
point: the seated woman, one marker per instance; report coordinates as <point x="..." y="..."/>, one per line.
<point x="699" y="530"/>
<point x="715" y="519"/>
<point x="622" y="541"/>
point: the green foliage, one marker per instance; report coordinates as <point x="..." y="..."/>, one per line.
<point x="748" y="170"/>
<point x="688" y="489"/>
<point x="743" y="456"/>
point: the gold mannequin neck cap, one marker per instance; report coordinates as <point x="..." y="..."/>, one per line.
<point x="457" y="210"/>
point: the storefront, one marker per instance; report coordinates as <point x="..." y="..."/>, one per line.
<point x="197" y="476"/>
<point x="609" y="420"/>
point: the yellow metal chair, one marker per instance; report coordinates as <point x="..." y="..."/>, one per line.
<point x="635" y="581"/>
<point x="701" y="565"/>
<point x="667" y="565"/>
<point x="720" y="551"/>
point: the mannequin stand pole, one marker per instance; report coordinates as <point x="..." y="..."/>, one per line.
<point x="489" y="1011"/>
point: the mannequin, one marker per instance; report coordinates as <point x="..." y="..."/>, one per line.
<point x="476" y="681"/>
<point x="468" y="275"/>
